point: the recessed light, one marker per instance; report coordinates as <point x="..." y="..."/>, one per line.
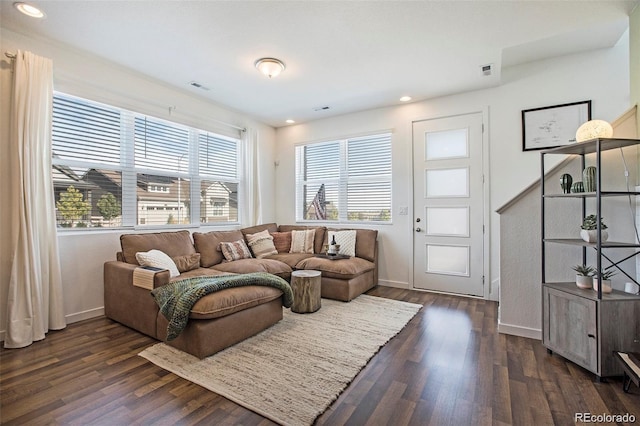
<point x="405" y="99"/>
<point x="290" y="121"/>
<point x="29" y="10"/>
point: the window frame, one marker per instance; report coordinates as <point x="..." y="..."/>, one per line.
<point x="343" y="180"/>
<point x="130" y="173"/>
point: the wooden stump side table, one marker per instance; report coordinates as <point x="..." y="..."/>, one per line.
<point x="306" y="291"/>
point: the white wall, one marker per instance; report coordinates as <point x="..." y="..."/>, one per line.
<point x="601" y="76"/>
<point x="76" y="72"/>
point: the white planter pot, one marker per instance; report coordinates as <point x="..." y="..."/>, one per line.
<point x="591" y="235"/>
<point x="584" y="281"/>
<point x="606" y="285"/>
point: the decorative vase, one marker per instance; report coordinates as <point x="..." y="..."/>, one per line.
<point x="565" y="183"/>
<point x="584" y="281"/>
<point x="606" y="285"/>
<point x="577" y="187"/>
<point x="591" y="235"/>
<point x="589" y="179"/>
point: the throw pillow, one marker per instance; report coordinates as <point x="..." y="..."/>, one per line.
<point x="261" y="244"/>
<point x="187" y="262"/>
<point x="302" y="241"/>
<point x="346" y="240"/>
<point x="158" y="259"/>
<point x="282" y="241"/>
<point x="235" y="250"/>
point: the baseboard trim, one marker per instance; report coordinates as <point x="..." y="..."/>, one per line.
<point x="71" y="318"/>
<point x="395" y="284"/>
<point x="517" y="330"/>
<point x="81" y="316"/>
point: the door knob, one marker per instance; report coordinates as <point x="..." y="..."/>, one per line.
<point x="418" y="229"/>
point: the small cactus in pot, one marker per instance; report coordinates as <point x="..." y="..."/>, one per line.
<point x="584" y="276"/>
<point x="589" y="231"/>
<point x="603" y="277"/>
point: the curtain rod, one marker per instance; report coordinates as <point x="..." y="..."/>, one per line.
<point x="12" y="55"/>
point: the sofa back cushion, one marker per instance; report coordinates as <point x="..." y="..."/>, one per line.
<point x="270" y="227"/>
<point x="319" y="235"/>
<point x="208" y="245"/>
<point x="365" y="242"/>
<point x="176" y="243"/>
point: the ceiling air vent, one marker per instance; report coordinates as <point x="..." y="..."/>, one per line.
<point x="198" y="85"/>
<point x="486" y="69"/>
<point x="322" y="108"/>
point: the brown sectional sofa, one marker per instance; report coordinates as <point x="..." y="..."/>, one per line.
<point x="224" y="318"/>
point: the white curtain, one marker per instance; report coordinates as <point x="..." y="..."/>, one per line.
<point x="251" y="211"/>
<point x="35" y="302"/>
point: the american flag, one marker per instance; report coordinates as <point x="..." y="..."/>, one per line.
<point x="319" y="204"/>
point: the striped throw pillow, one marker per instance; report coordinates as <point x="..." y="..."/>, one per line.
<point x="261" y="244"/>
<point x="302" y="241"/>
<point x="235" y="250"/>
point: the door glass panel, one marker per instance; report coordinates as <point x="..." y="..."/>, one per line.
<point x="450" y="221"/>
<point x="448" y="260"/>
<point x="447" y="144"/>
<point x="447" y="182"/>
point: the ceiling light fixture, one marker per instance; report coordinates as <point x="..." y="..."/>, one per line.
<point x="290" y="121"/>
<point x="271" y="67"/>
<point x="29" y="10"/>
<point x="405" y="99"/>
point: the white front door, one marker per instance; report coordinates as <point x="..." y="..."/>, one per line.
<point x="449" y="205"/>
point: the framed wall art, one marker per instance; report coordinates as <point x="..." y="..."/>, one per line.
<point x="553" y="126"/>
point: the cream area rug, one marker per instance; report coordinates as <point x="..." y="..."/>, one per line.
<point x="293" y="371"/>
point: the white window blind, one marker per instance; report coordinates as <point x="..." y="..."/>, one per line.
<point x="160" y="145"/>
<point x="85" y="131"/>
<point x="218" y="165"/>
<point x="345" y="180"/>
<point x="117" y="168"/>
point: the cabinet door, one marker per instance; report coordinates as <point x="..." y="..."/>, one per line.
<point x="570" y="327"/>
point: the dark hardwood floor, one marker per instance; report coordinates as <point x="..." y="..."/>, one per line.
<point x="449" y="366"/>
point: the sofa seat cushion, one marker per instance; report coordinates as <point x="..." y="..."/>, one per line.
<point x="343" y="269"/>
<point x="200" y="272"/>
<point x="245" y="266"/>
<point x="230" y="300"/>
<point x="291" y="259"/>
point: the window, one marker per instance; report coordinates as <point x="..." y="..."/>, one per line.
<point x="114" y="168"/>
<point x="344" y="180"/>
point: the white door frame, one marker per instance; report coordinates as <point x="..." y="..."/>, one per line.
<point x="486" y="216"/>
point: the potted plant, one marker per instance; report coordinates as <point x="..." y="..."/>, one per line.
<point x="603" y="277"/>
<point x="589" y="231"/>
<point x="584" y="275"/>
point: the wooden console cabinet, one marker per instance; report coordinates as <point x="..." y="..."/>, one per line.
<point x="587" y="330"/>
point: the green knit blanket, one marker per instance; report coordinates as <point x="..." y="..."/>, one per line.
<point x="177" y="298"/>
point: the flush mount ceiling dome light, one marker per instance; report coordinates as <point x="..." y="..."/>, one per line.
<point x="271" y="67"/>
<point x="29" y="10"/>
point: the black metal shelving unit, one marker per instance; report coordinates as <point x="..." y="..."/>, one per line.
<point x="594" y="146"/>
<point x="581" y="325"/>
